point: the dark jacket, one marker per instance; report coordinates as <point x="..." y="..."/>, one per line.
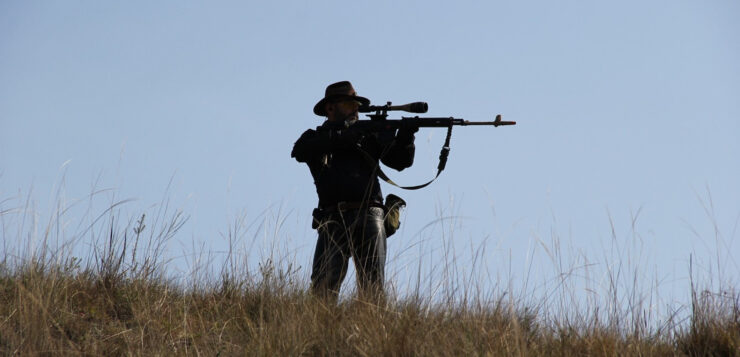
<point x="340" y="170"/>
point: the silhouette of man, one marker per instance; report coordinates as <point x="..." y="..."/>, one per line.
<point x="349" y="219"/>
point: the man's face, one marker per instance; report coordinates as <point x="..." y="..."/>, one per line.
<point x="345" y="110"/>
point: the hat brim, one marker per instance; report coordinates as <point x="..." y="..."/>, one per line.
<point x="320" y="110"/>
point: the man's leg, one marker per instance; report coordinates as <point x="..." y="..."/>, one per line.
<point x="369" y="252"/>
<point x="330" y="261"/>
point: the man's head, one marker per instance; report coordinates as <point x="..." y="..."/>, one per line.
<point x="340" y="102"/>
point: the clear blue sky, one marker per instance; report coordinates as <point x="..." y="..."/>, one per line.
<point x="624" y="109"/>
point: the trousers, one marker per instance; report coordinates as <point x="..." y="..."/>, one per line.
<point x="356" y="234"/>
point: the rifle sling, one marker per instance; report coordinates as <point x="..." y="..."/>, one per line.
<point x="440" y="167"/>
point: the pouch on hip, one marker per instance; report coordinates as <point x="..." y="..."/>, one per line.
<point x="392" y="220"/>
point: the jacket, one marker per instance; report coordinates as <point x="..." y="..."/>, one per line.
<point x="344" y="171"/>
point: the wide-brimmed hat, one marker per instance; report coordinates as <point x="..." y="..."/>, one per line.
<point x="338" y="91"/>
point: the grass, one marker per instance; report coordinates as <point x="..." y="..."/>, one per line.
<point x="121" y="300"/>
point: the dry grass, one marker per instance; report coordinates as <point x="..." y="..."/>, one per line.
<point x="122" y="302"/>
<point x="61" y="310"/>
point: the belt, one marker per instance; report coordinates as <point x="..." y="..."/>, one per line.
<point x="350" y="205"/>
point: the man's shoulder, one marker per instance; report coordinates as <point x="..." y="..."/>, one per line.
<point x="310" y="134"/>
<point x="326" y="126"/>
<point x="310" y="131"/>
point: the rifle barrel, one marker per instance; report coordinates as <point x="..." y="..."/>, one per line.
<point x="494" y="123"/>
<point x="439" y="122"/>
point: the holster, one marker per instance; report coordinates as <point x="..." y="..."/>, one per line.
<point x="319" y="216"/>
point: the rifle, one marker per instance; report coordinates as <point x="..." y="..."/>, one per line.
<point x="380" y="122"/>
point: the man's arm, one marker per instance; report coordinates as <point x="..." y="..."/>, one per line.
<point x="400" y="154"/>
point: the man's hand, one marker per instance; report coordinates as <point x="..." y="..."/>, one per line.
<point x="405" y="135"/>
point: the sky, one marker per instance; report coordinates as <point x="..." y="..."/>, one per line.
<point x="624" y="156"/>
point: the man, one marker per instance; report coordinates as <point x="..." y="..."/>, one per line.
<point x="349" y="218"/>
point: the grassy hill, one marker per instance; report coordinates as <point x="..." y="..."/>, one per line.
<point x="63" y="309"/>
<point x="123" y="301"/>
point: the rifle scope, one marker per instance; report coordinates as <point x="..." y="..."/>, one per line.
<point x="415" y="107"/>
